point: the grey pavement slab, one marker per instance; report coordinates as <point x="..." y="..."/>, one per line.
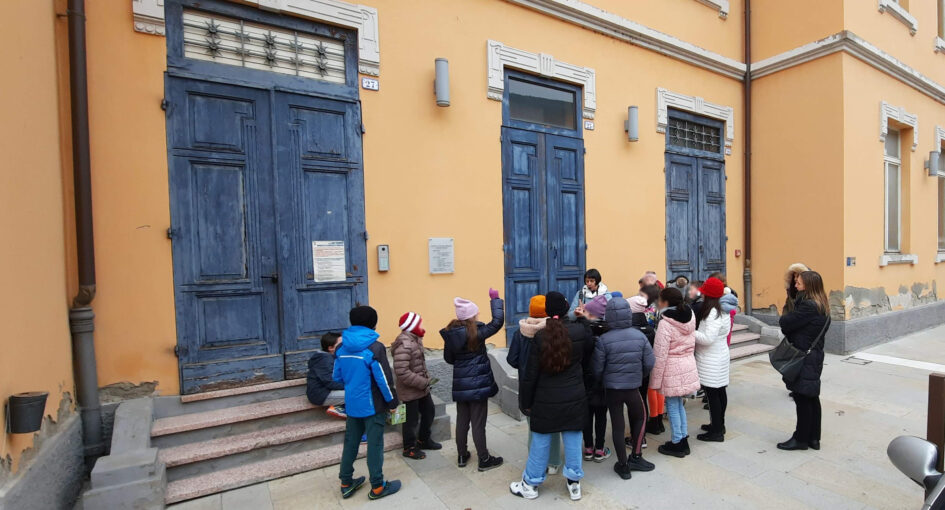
<point x="864" y="407"/>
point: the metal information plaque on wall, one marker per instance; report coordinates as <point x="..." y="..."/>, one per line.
<point x="441" y="255"/>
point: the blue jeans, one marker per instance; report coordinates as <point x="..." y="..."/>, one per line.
<point x="535" y="468"/>
<point x="554" y="457"/>
<point x="677" y="418"/>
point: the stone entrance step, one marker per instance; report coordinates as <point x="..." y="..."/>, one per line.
<point x="745" y="338"/>
<point x="228" y="415"/>
<point x="243" y="390"/>
<point x="248" y="474"/>
<point x="746" y="351"/>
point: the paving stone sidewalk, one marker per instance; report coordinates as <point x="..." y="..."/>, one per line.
<point x="864" y="407"/>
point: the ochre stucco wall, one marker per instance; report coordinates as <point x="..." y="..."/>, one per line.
<point x="135" y="333"/>
<point x="797" y="176"/>
<point x="885" y="31"/>
<point x="36" y="349"/>
<point x="864" y="190"/>
<point x="778" y="26"/>
<point x="687" y="20"/>
<point x="429" y="171"/>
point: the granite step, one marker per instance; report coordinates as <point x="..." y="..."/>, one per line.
<point x="243" y="390"/>
<point x="746" y="351"/>
<point x="232" y="478"/>
<point x="745" y="338"/>
<point x="224" y="446"/>
<point x="739" y="327"/>
<point x="229" y="415"/>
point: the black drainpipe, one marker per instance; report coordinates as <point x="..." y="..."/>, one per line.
<point x="747" y="90"/>
<point x="81" y="318"/>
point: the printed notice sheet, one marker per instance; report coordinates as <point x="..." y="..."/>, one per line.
<point x="329" y="260"/>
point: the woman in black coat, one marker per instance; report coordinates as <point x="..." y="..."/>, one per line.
<point x="805" y="327"/>
<point x="552" y="394"/>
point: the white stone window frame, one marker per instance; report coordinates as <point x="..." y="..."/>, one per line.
<point x="901" y="117"/>
<point x="499" y="56"/>
<point x="720" y="5"/>
<point x="900" y="13"/>
<point x="666" y="99"/>
<point x="906" y="120"/>
<point x="149" y="19"/>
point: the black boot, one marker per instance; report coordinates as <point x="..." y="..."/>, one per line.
<point x="672" y="449"/>
<point x="711" y="437"/>
<point x="685" y="445"/>
<point x="623" y="470"/>
<point x="792" y="444"/>
<point x="707" y="428"/>
<point x="659" y="423"/>
<point x="429" y="444"/>
<point x="814" y="444"/>
<point x="638" y="463"/>
<point x="653" y="426"/>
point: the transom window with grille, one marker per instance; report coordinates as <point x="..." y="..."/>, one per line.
<point x="693" y="135"/>
<point x="893" y="210"/>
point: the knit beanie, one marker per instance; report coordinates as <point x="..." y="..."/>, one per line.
<point x="556" y="305"/>
<point x="536" y="307"/>
<point x="713" y="288"/>
<point x="411" y="323"/>
<point x="637" y="304"/>
<point x="597" y="306"/>
<point x="465" y="309"/>
<point x="363" y="316"/>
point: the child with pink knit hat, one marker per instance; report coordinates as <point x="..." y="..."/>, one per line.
<point x="464" y="347"/>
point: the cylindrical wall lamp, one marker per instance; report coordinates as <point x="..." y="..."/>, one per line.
<point x="933" y="164"/>
<point x="632" y="124"/>
<point x="441" y="84"/>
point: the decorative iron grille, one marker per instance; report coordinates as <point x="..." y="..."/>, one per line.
<point x="242" y="44"/>
<point x="692" y="135"/>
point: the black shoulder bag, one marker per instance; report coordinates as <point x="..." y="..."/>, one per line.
<point x="788" y="360"/>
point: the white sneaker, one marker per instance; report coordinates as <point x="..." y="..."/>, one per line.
<point x="552" y="469"/>
<point x="527" y="491"/>
<point x="575" y="490"/>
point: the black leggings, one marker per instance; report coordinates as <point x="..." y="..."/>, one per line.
<point x="636" y="412"/>
<point x="808" y="418"/>
<point x="718" y="402"/>
<point x="420" y="412"/>
<point x="596" y="428"/>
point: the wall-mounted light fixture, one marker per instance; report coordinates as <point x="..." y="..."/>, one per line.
<point x="934" y="164"/>
<point x="632" y="124"/>
<point x="441" y="84"/>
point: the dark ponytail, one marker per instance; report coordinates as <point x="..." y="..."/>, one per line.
<point x="555" y="347"/>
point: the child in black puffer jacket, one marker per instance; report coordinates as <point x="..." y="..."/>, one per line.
<point x="464" y="347"/>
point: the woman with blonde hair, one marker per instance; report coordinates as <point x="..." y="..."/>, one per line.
<point x="805" y="328"/>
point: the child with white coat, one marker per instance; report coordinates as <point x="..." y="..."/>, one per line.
<point x="712" y="357"/>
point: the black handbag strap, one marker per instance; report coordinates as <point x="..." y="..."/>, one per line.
<point x="819" y="335"/>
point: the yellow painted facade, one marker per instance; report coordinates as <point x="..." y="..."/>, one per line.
<point x="36" y="353"/>
<point x="436" y="172"/>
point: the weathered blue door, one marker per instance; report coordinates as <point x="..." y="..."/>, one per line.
<point x="542" y="191"/>
<point x="223" y="231"/>
<point x="695" y="196"/>
<point x="543" y="200"/>
<point x="320" y="194"/>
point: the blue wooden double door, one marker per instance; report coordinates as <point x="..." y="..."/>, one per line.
<point x="695" y="215"/>
<point x="543" y="200"/>
<point x="256" y="175"/>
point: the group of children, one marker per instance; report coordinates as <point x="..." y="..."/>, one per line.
<point x="577" y="362"/>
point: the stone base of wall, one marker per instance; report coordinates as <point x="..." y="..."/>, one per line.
<point x="845" y="337"/>
<point x="53" y="477"/>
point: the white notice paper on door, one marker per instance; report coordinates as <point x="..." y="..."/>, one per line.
<point x="328" y="258"/>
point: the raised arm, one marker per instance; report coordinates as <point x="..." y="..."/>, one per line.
<point x="498" y="319"/>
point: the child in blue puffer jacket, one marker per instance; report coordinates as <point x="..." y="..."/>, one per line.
<point x="361" y="364"/>
<point x="464" y="347"/>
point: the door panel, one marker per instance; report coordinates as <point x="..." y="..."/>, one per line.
<point x="682" y="248"/>
<point x="564" y="173"/>
<point x="221" y="199"/>
<point x="523" y="200"/>
<point x="320" y="185"/>
<point x="543" y="195"/>
<point x="712" y="217"/>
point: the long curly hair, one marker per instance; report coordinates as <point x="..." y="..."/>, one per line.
<point x="555" y="348"/>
